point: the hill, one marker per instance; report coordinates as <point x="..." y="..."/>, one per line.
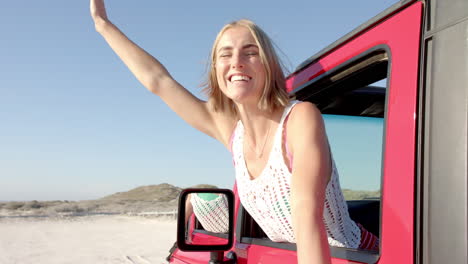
<point x="360" y="195"/>
<point x="157" y="193"/>
<point x="152" y="198"/>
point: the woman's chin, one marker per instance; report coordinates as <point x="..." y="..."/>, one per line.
<point x="241" y="95"/>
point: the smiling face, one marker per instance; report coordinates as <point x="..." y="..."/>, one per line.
<point x="239" y="69"/>
<point x="244" y="68"/>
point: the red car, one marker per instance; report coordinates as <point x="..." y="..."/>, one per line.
<point x="396" y="90"/>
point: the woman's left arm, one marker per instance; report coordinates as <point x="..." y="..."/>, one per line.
<point x="311" y="171"/>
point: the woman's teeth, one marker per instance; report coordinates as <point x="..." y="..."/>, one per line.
<point x="239" y="78"/>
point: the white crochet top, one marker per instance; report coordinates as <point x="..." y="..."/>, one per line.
<point x="213" y="214"/>
<point x="267" y="197"/>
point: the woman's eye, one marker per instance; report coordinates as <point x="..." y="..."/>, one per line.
<point x="252" y="53"/>
<point x="225" y="55"/>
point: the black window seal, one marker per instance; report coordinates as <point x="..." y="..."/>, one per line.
<point x="337" y="73"/>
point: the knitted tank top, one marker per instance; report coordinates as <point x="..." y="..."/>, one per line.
<point x="267" y="197"/>
<point x="212" y="214"/>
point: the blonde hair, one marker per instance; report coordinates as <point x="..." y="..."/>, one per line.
<point x="274" y="93"/>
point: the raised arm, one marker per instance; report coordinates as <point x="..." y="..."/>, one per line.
<point x="154" y="76"/>
<point x="310" y="175"/>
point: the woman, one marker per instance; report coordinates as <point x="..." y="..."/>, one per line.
<point x="280" y="148"/>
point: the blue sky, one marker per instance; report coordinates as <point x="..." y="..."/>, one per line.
<point x="75" y="124"/>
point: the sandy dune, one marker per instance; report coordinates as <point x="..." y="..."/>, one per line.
<point x="82" y="240"/>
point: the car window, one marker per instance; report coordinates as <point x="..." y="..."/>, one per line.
<point x="352" y="99"/>
<point x="356" y="146"/>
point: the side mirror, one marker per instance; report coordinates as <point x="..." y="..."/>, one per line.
<point x="213" y="210"/>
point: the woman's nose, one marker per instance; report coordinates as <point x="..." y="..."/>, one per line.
<point x="237" y="62"/>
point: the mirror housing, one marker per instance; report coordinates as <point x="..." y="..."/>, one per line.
<point x="222" y="214"/>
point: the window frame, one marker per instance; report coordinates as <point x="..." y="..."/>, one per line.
<point x="347" y="69"/>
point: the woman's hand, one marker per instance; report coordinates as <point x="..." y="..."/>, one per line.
<point x="98" y="11"/>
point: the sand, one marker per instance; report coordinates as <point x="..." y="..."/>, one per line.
<point x="86" y="239"/>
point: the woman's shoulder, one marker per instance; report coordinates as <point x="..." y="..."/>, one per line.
<point x="304" y="111"/>
<point x="305" y="121"/>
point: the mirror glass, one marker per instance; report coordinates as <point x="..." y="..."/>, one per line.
<point x="206" y="218"/>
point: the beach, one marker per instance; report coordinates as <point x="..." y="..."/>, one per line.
<point x="86" y="239"/>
